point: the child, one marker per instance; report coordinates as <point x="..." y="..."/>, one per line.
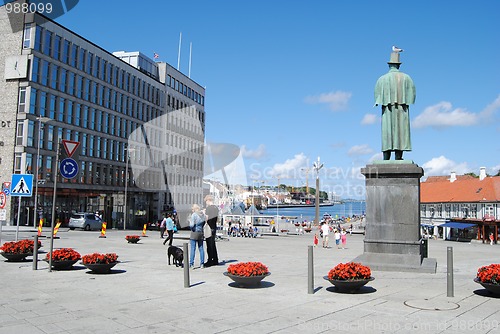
<point x="316" y="240"/>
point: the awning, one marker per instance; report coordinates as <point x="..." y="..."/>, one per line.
<point x="457" y="225"/>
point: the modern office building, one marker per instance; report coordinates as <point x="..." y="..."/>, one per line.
<point x="139" y="124"/>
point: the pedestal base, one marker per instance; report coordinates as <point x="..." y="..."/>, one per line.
<point x="392" y="236"/>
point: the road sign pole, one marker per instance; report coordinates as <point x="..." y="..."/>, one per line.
<point x="54" y="205"/>
<point x="18" y="218"/>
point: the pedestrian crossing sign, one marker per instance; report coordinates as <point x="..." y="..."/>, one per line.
<point x="22" y="185"/>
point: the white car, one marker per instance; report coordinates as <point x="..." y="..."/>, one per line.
<point x="85" y="221"/>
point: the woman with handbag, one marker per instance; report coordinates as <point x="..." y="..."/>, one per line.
<point x="196" y="223"/>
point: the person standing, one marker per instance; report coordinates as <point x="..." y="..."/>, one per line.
<point x="196" y="223"/>
<point x="212" y="214"/>
<point x="343" y="238"/>
<point x="337" y="238"/>
<point x="325" y="230"/>
<point x="169" y="226"/>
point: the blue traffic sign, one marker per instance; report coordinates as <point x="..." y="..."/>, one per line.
<point x="68" y="168"/>
<point x="22" y="185"/>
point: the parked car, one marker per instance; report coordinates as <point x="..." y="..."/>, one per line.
<point x="86" y="221"/>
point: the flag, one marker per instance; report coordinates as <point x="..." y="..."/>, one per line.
<point x="156" y="56"/>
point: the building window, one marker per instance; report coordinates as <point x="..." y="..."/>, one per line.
<point x="45" y="72"/>
<point x="38" y="38"/>
<point x="20" y="134"/>
<point x="65" y="52"/>
<point x="18" y="158"/>
<point x="22" y="99"/>
<point x="27" y="36"/>
<point x="81" y="61"/>
<point x="50" y="138"/>
<point x="74" y="55"/>
<point x="47" y="43"/>
<point x="54" y="74"/>
<point x="57" y="47"/>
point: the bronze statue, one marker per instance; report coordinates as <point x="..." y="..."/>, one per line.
<point x="395" y="91"/>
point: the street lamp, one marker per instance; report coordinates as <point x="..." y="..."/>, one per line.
<point x="125" y="213"/>
<point x="41" y="120"/>
<point x="317" y="166"/>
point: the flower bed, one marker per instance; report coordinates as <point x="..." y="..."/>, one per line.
<point x="64" y="254"/>
<point x="349" y="271"/>
<point x="248" y="269"/>
<point x="98" y="258"/>
<point x="489" y="274"/>
<point x="132" y="238"/>
<point x="24" y="246"/>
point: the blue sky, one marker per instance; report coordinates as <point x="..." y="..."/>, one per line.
<point x="288" y="81"/>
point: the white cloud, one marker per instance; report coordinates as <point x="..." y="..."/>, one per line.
<point x="360" y="150"/>
<point x="291" y="167"/>
<point x="369" y="119"/>
<point x="443" y="115"/>
<point x="336" y="100"/>
<point x="491" y="108"/>
<point x="258" y="153"/>
<point x="444" y="166"/>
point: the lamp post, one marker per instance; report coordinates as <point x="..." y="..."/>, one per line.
<point x="317" y="166"/>
<point x="41" y="120"/>
<point x="277" y="205"/>
<point x="125" y="213"/>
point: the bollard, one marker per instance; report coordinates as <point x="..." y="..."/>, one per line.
<point x="103" y="230"/>
<point x="310" y="270"/>
<point x="35" y="253"/>
<point x="449" y="272"/>
<point x="40" y="225"/>
<point x="56" y="229"/>
<point x="186" y="264"/>
<point x="144" y="229"/>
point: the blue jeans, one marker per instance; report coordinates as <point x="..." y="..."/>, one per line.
<point x="193" y="250"/>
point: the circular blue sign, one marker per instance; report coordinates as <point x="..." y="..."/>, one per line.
<point x="68" y="168"/>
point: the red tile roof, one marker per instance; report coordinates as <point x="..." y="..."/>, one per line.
<point x="439" y="189"/>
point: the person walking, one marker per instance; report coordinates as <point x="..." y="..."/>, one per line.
<point x="343" y="238"/>
<point x="163" y="227"/>
<point x="196" y="223"/>
<point x="212" y="215"/>
<point x="169" y="226"/>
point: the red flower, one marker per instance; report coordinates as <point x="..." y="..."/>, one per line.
<point x="247" y="269"/>
<point x="64" y="254"/>
<point x="99" y="258"/>
<point x="24" y="246"/>
<point x="489" y="274"/>
<point x="349" y="271"/>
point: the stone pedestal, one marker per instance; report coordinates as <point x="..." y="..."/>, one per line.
<point x="392" y="236"/>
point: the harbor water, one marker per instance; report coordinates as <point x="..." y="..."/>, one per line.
<point x="337" y="211"/>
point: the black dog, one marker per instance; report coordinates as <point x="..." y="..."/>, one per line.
<point x="177" y="254"/>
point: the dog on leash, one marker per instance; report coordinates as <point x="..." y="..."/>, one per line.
<point x="177" y="254"/>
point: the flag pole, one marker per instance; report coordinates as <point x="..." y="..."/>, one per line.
<point x="190" y="50"/>
<point x="179" y="53"/>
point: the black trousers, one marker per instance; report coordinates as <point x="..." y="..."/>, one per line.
<point x="213" y="258"/>
<point x="170" y="237"/>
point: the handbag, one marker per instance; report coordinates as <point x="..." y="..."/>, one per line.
<point x="207" y="231"/>
<point x="196" y="235"/>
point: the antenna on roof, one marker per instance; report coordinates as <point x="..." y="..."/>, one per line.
<point x="190" y="50"/>
<point x="179" y="54"/>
